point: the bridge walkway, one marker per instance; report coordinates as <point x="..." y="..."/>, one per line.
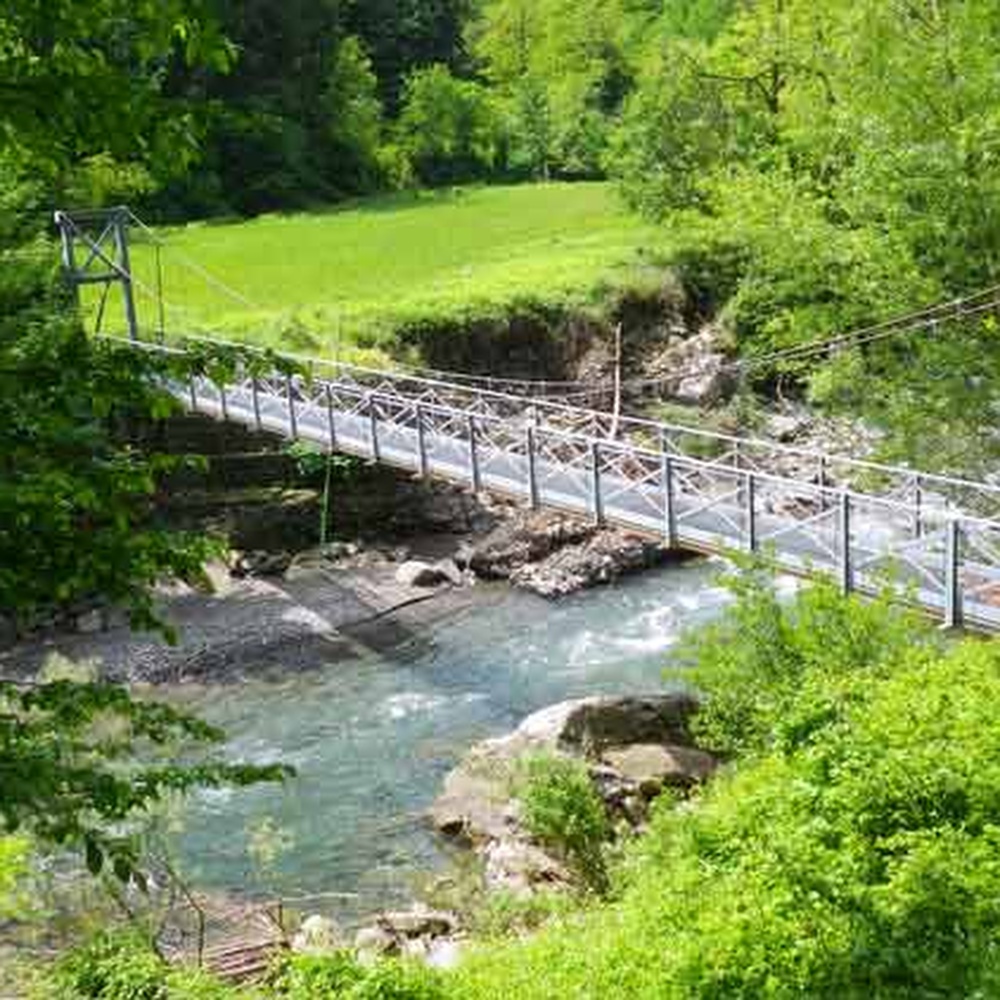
<point x="934" y="539"/>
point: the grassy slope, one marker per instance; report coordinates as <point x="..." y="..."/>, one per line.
<point x="372" y="265"/>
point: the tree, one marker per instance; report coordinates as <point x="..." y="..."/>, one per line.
<point x="79" y="767"/>
<point x="560" y="71"/>
<point x="79" y="78"/>
<point x="446" y="127"/>
<point x="826" y="166"/>
<point x="354" y="116"/>
<point x="405" y="35"/>
<point x="83" y="80"/>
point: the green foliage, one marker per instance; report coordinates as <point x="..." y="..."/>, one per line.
<point x="80" y="763"/>
<point x="822" y="167"/>
<point x="754" y="663"/>
<point x="114" y="52"/>
<point x="852" y="854"/>
<point x="75" y="521"/>
<point x="124" y="966"/>
<point x="16" y="902"/>
<point x="506" y="914"/>
<point x="298" y="118"/>
<point x="354" y="113"/>
<point x="562" y="808"/>
<point x="446" y="127"/>
<point x="559" y="72"/>
<point x="342" y="977"/>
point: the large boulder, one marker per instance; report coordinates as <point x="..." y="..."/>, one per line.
<point x="634" y="745"/>
<point x="591" y="724"/>
<point x="527" y="537"/>
<point x="694" y="369"/>
<point x="601" y="558"/>
<point x="419" y="933"/>
<point x="651" y="767"/>
<point x="475" y="805"/>
<point x="415" y="573"/>
<point x="516" y="866"/>
<point x="317" y="935"/>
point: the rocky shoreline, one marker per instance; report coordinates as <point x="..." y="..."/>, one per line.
<point x="276" y="612"/>
<point x="634" y="749"/>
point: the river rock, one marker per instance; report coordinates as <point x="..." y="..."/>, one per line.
<point x="591" y="724"/>
<point x="415" y="573"/>
<point x="259" y="563"/>
<point x="515" y="865"/>
<point x="373" y="943"/>
<point x="527" y="537"/>
<point x="90" y="622"/>
<point x="787" y="426"/>
<point x="450" y="571"/>
<point x="475" y="805"/>
<point x="694" y="369"/>
<point x="650" y="767"/>
<point x="412" y="933"/>
<point x="316" y="936"/>
<point x="603" y="557"/>
<point x="420" y="921"/>
<point x="443" y="953"/>
<point x="706" y="386"/>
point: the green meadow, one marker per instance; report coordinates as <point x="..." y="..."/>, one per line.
<point x="347" y="279"/>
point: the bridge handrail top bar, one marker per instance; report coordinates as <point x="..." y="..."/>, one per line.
<point x="643" y="422"/>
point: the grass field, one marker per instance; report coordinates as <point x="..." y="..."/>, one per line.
<point x="355" y="274"/>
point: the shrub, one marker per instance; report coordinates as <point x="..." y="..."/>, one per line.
<point x="564" y="811"/>
<point x="853" y="854"/>
<point x="756" y="665"/>
<point x="122" y="965"/>
<point x="341" y="977"/>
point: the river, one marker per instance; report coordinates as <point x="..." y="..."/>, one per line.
<point x="372" y="738"/>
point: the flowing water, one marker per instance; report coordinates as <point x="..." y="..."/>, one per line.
<point x="372" y="738"/>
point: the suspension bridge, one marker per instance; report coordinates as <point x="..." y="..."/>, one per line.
<point x="933" y="539"/>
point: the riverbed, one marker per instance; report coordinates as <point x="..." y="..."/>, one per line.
<point x="371" y="737"/>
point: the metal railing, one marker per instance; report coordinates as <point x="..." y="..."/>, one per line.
<point x="935" y="540"/>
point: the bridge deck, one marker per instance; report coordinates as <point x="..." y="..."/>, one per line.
<point x="910" y="530"/>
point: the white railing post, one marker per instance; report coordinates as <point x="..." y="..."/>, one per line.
<point x="532" y="470"/>
<point x="293" y="425"/>
<point x="595" y="480"/>
<point x="255" y="397"/>
<point x="422" y="442"/>
<point x="669" y="502"/>
<point x="952" y="576"/>
<point x="331" y="422"/>
<point x="823" y="480"/>
<point x="473" y="456"/>
<point x="373" y="427"/>
<point x="846" y="567"/>
<point x="750" y="494"/>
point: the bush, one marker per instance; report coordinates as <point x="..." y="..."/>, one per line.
<point x="853" y="854"/>
<point x="122" y="965"/>
<point x="755" y="666"/>
<point x="113" y="967"/>
<point x="341" y="977"/>
<point x="562" y="808"/>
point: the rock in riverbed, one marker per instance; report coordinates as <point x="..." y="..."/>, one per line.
<point x="556" y="554"/>
<point x="416" y="933"/>
<point x="634" y="746"/>
<point x="602" y="558"/>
